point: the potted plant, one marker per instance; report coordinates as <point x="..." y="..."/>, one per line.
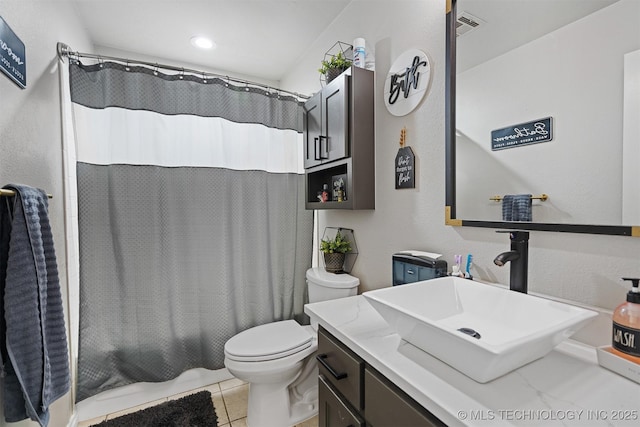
<point x="334" y="65"/>
<point x="334" y="252"/>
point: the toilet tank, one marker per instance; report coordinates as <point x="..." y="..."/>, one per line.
<point x="325" y="286"/>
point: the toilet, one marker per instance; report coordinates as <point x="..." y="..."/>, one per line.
<point x="277" y="359"/>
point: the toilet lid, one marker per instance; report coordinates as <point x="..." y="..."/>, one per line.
<point x="268" y="342"/>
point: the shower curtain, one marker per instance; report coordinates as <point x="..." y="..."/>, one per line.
<point x="191" y="219"/>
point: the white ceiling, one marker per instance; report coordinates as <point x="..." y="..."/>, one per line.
<point x="263" y="39"/>
<point x="258" y="38"/>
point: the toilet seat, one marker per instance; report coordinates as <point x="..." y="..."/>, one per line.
<point x="268" y="342"/>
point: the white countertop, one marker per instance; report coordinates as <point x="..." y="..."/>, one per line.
<point x="566" y="387"/>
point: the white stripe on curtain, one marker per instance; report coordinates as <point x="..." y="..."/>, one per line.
<point x="104" y="137"/>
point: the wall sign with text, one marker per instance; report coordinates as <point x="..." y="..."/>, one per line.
<point x="405" y="168"/>
<point x="13" y="61"/>
<point x="405" y="164"/>
<point x="522" y="134"/>
<point x="407" y="82"/>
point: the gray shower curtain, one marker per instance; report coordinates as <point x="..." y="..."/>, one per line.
<point x="191" y="219"/>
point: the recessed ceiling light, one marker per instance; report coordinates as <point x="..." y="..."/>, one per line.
<point x="202" y="42"/>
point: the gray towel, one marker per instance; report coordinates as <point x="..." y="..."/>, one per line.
<point x="33" y="337"/>
<point x="516" y="207"/>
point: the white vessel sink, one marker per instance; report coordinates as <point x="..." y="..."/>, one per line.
<point x="514" y="328"/>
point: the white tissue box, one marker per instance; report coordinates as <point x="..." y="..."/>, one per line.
<point x="618" y="365"/>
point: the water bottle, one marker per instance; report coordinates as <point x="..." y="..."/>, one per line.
<point x="359" y="53"/>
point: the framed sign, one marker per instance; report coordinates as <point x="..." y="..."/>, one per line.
<point x="405" y="165"/>
<point x="522" y="134"/>
<point x="339" y="188"/>
<point x="13" y="61"/>
<point x="405" y="168"/>
<point x="407" y="82"/>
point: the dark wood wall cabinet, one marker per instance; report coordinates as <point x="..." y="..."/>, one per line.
<point x="339" y="143"/>
<point x="352" y="393"/>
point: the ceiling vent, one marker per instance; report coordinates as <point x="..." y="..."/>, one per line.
<point x="466" y="23"/>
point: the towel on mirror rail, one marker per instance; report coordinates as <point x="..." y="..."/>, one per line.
<point x="34" y="354"/>
<point x="516" y="207"/>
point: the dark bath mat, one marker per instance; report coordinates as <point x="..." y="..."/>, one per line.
<point x="194" y="410"/>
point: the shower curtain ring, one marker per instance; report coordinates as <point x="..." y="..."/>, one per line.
<point x="181" y="76"/>
<point x="227" y="84"/>
<point x="127" y="68"/>
<point x="74" y="57"/>
<point x="155" y="70"/>
<point x="204" y="78"/>
<point x="100" y="62"/>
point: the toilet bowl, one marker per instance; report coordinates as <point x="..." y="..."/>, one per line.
<point x="277" y="359"/>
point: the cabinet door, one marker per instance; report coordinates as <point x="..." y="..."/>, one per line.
<point x="332" y="411"/>
<point x="334" y="142"/>
<point x="385" y="405"/>
<point x="312" y="130"/>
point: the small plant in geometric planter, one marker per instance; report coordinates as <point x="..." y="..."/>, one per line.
<point x="334" y="252"/>
<point x="333" y="66"/>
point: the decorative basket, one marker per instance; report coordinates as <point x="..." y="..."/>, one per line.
<point x="333" y="73"/>
<point x="333" y="262"/>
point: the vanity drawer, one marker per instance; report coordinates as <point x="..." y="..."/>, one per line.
<point x="332" y="411"/>
<point x="341" y="368"/>
<point x="386" y="405"/>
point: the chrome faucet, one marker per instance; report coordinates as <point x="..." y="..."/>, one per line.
<point x="519" y="258"/>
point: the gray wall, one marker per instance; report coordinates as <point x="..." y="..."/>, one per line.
<point x="30" y="124"/>
<point x="580" y="268"/>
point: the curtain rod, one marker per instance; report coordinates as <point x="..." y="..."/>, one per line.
<point x="65" y="51"/>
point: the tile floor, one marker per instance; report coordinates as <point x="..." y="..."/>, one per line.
<point x="229" y="399"/>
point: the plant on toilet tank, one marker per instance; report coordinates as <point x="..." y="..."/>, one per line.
<point x="334" y="252"/>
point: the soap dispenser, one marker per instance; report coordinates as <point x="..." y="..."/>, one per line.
<point x="626" y="325"/>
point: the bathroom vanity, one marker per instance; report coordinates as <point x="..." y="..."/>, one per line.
<point x="566" y="387"/>
<point x="352" y="391"/>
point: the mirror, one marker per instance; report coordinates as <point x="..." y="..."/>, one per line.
<point x="543" y="98"/>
